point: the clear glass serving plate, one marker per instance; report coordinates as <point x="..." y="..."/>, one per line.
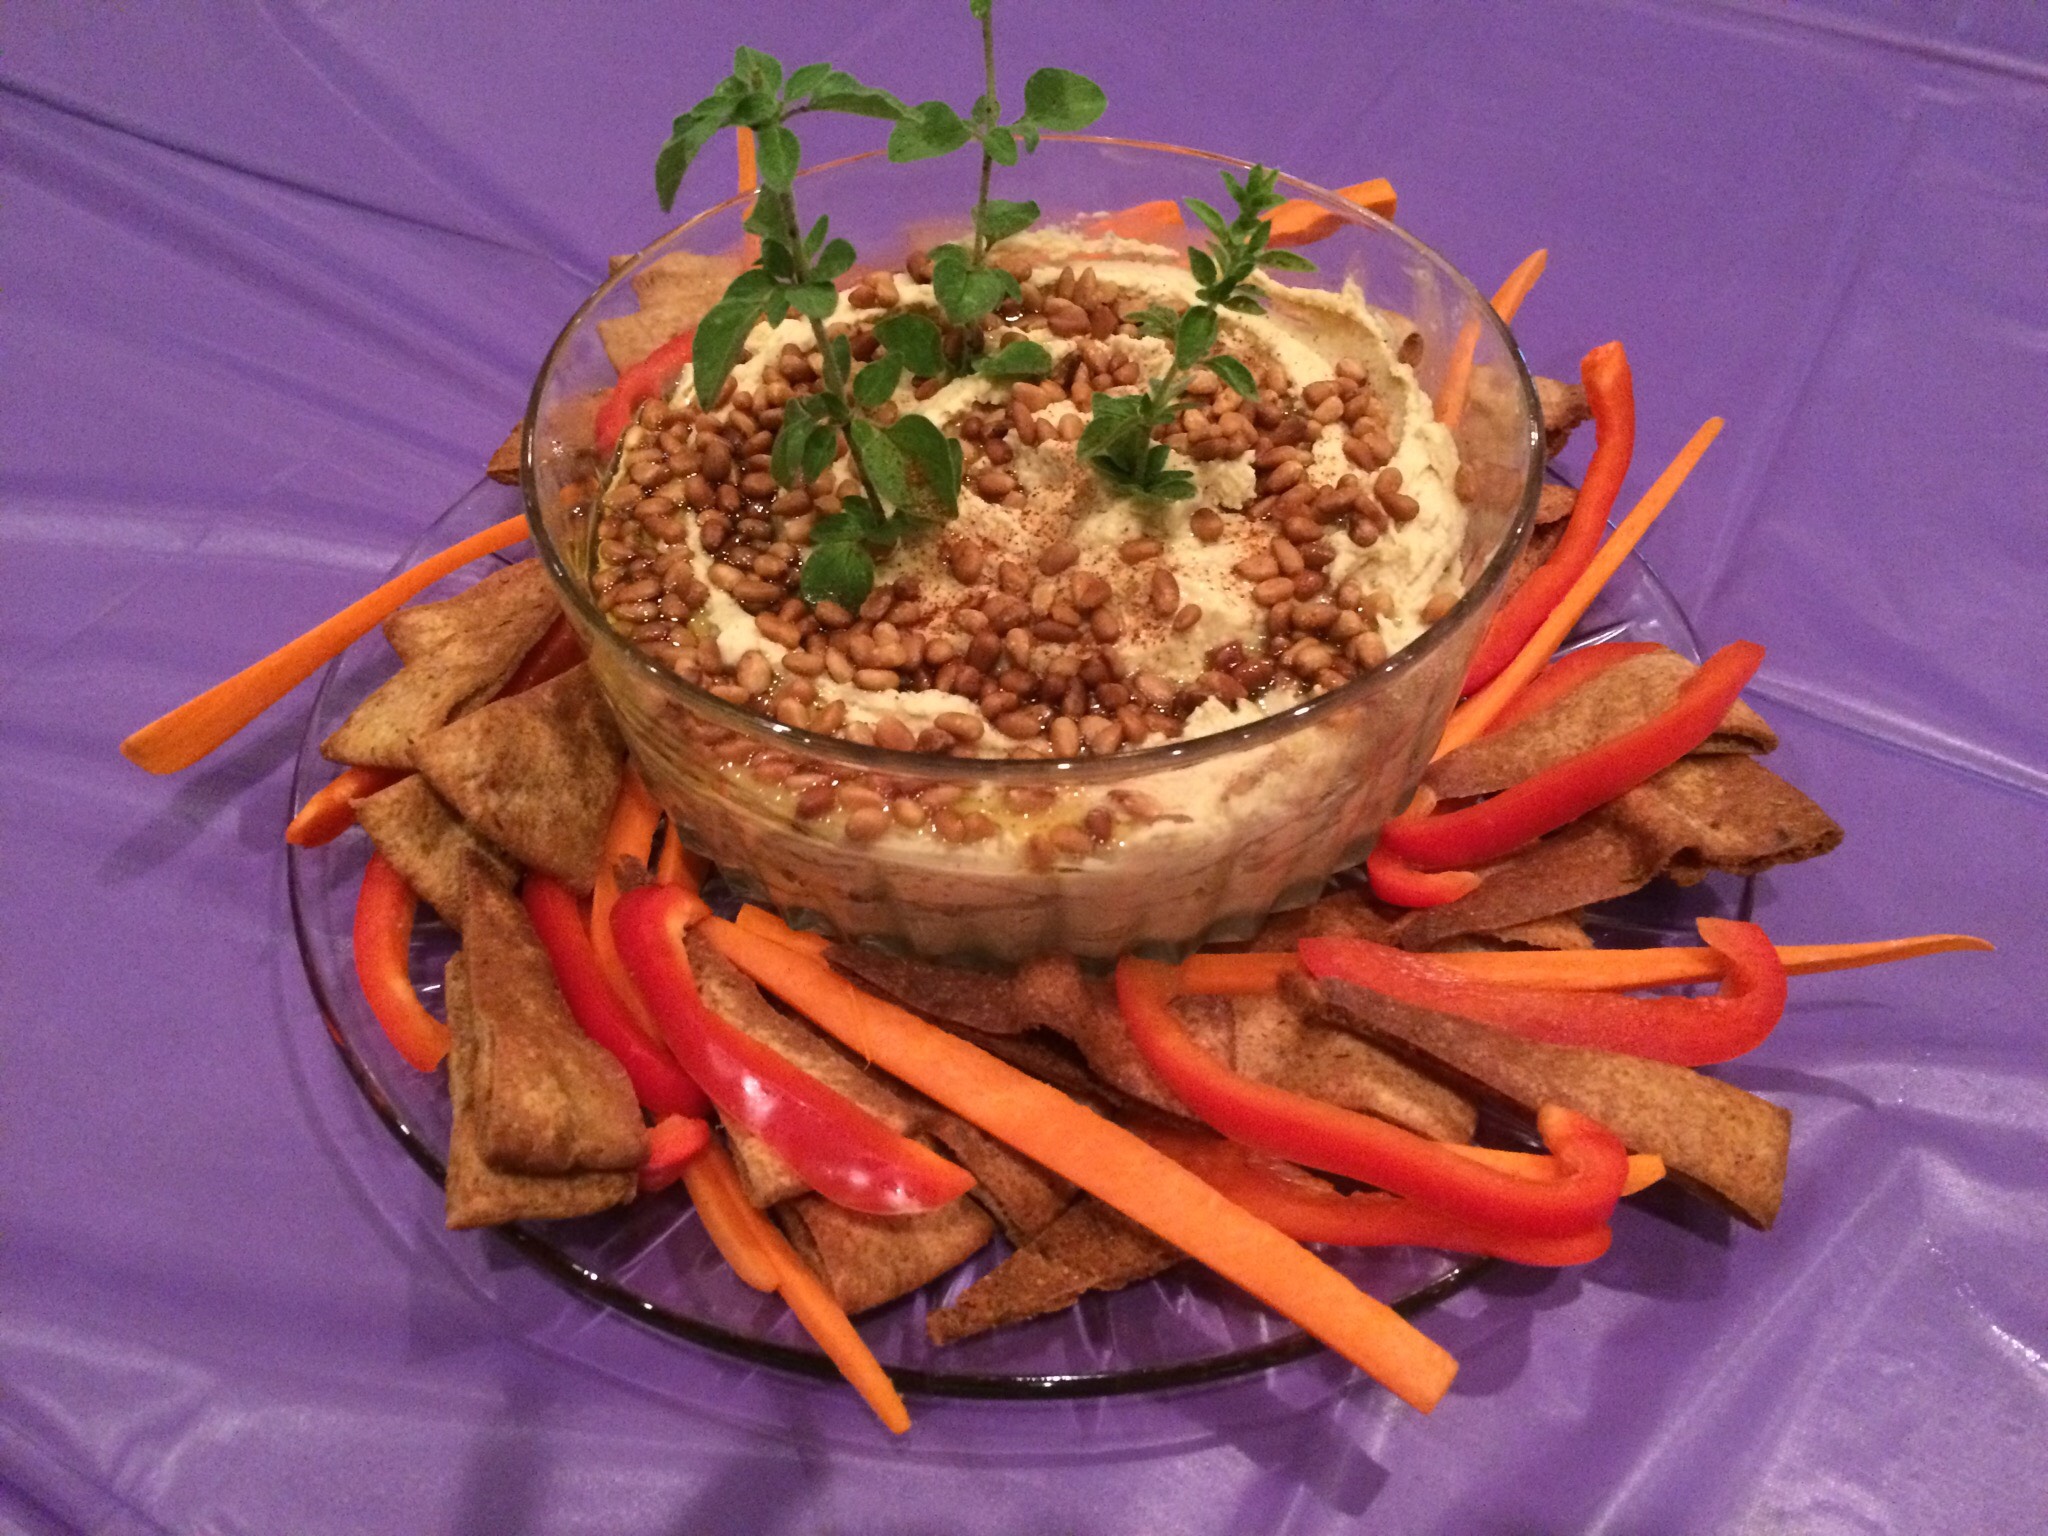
<point x="652" y="1262"/>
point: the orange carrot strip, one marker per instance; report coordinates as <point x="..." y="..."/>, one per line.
<point x="198" y="726"/>
<point x="1301" y="222"/>
<point x="1644" y="1168"/>
<point x="1473" y="716"/>
<point x="1107" y="1161"/>
<point x="715" y="1190"/>
<point x="1152" y="222"/>
<point x="1250" y="975"/>
<point x="331" y="809"/>
<point x="1507" y="299"/>
<point x="827" y="1323"/>
<point x="1621" y="970"/>
<point x="760" y="921"/>
<point x="630" y="836"/>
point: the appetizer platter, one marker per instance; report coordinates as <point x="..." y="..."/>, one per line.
<point x="1070" y="750"/>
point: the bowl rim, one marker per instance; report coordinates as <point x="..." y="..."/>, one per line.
<point x="1048" y="772"/>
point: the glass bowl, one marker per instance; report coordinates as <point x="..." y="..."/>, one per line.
<point x="1184" y="843"/>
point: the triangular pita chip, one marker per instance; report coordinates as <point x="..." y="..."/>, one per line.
<point x="675" y="292"/>
<point x="544" y="1097"/>
<point x="455" y="654"/>
<point x="1614" y="701"/>
<point x="1091" y="1247"/>
<point x="868" y="1260"/>
<point x="1727" y="813"/>
<point x="1714" y="1138"/>
<point x="504" y="464"/>
<point x="1594" y="859"/>
<point x="422" y="839"/>
<point x="479" y="1195"/>
<point x="535" y="773"/>
<point x="1023" y="1197"/>
<point x="1563" y="409"/>
<point x="1272" y="1042"/>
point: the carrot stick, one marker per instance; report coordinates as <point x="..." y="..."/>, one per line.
<point x="765" y="924"/>
<point x="715" y="1189"/>
<point x="331" y="809"/>
<point x="1152" y="222"/>
<point x="1620" y="970"/>
<point x="747" y="1238"/>
<point x="1107" y="1161"/>
<point x="1301" y="222"/>
<point x="630" y="836"/>
<point x="1478" y="712"/>
<point x="1251" y="975"/>
<point x="198" y="726"/>
<point x="1507" y="299"/>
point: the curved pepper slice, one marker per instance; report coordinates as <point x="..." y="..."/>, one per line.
<point x="555" y="652"/>
<point x="662" y="1086"/>
<point x="1685" y="1031"/>
<point x="654" y="374"/>
<point x="1542" y="803"/>
<point x="835" y="1146"/>
<point x="1399" y="883"/>
<point x="383" y="944"/>
<point x="1611" y="396"/>
<point x="1310" y="1211"/>
<point x="1319" y="1135"/>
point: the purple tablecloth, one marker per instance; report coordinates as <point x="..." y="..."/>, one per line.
<point x="276" y="277"/>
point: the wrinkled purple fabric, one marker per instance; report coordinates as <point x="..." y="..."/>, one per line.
<point x="277" y="276"/>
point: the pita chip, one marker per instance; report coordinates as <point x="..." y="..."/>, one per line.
<point x="504" y="464"/>
<point x="866" y="1260"/>
<point x="1619" y="699"/>
<point x="544" y="1097"/>
<point x="479" y="1195"/>
<point x="1564" y="410"/>
<point x="1274" y="1042"/>
<point x="988" y="1001"/>
<point x="1722" y="1143"/>
<point x="1596" y="858"/>
<point x="1725" y="813"/>
<point x="674" y="293"/>
<point x="1089" y="1248"/>
<point x="536" y="774"/>
<point x="455" y="654"/>
<point x="1023" y="1197"/>
<point x="429" y="847"/>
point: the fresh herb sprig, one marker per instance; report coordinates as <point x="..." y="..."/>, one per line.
<point x="1118" y="440"/>
<point x="967" y="287"/>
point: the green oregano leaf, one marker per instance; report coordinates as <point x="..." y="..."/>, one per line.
<point x="720" y="336"/>
<point x="777" y="155"/>
<point x="1234" y="373"/>
<point x="832" y="260"/>
<point x="998" y="219"/>
<point x="840" y="572"/>
<point x="1197" y="334"/>
<point x="820" y="450"/>
<point x="1286" y="261"/>
<point x="932" y="472"/>
<point x="915" y="341"/>
<point x="883" y="461"/>
<point x="876" y="382"/>
<point x="1017" y="360"/>
<point x="1062" y="101"/>
<point x="926" y="131"/>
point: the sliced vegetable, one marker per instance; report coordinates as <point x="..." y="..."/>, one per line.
<point x="838" y="1148"/>
<point x="1150" y="222"/>
<point x="554" y="653"/>
<point x="630" y="835"/>
<point x="1400" y="884"/>
<point x="655" y="374"/>
<point x="1107" y="1161"/>
<point x="1685" y="1031"/>
<point x="1507" y="299"/>
<point x="758" y="920"/>
<point x="671" y="1142"/>
<point x="1249" y="975"/>
<point x="1310" y="1211"/>
<point x="1482" y="708"/>
<point x="1559" y="795"/>
<point x="1373" y="1151"/>
<point x="383" y="944"/>
<point x="1301" y="222"/>
<point x="198" y="726"/>
<point x="1644" y="1168"/>
<point x="661" y="1086"/>
<point x="1568" y="673"/>
<point x="1610" y="395"/>
<point x="728" y="1219"/>
<point x="1622" y="970"/>
<point x="331" y="810"/>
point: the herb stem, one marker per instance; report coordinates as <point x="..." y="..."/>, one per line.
<point x="993" y="113"/>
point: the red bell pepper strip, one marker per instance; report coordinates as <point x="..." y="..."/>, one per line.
<point x="662" y="1086"/>
<point x="838" y="1148"/>
<point x="655" y="374"/>
<point x="1310" y="1211"/>
<point x="383" y="943"/>
<point x="1400" y="884"/>
<point x="672" y="1142"/>
<point x="1545" y="801"/>
<point x="331" y="810"/>
<point x="1685" y="1031"/>
<point x="1610" y="395"/>
<point x="1319" y="1135"/>
<point x="555" y="652"/>
<point x="1569" y="672"/>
